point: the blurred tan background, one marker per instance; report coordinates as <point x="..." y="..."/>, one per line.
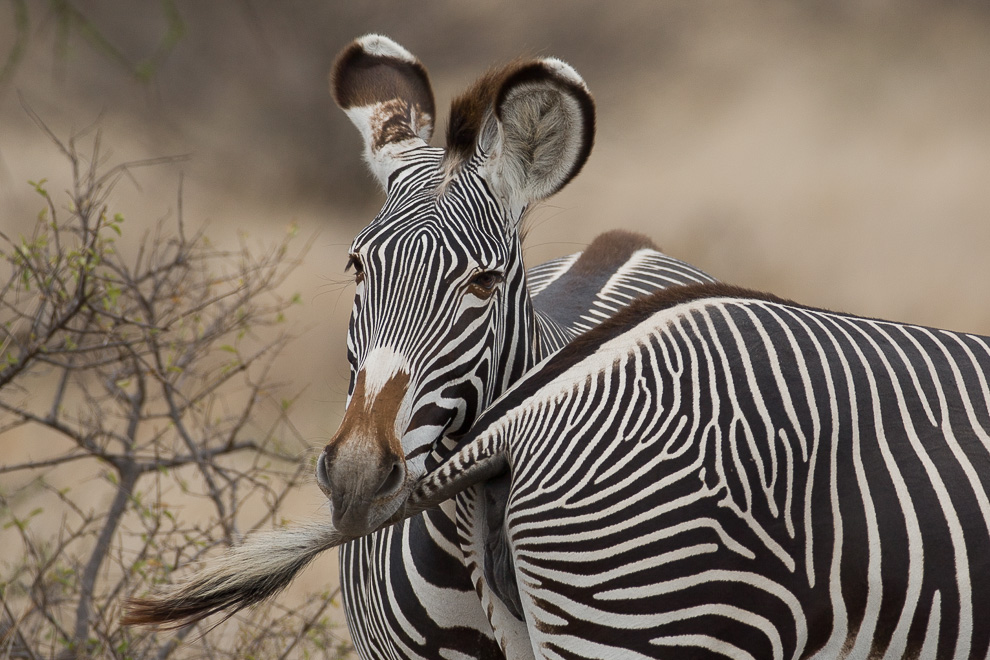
<point x="834" y="152"/>
<point x="837" y="153"/>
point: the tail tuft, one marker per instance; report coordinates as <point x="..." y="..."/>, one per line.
<point x="247" y="574"/>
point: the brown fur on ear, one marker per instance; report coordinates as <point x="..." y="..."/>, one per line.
<point x="544" y="133"/>
<point x="386" y="93"/>
<point x="468" y="111"/>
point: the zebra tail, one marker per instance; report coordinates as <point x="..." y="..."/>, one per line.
<point x="267" y="562"/>
<point x="246" y="574"/>
<point x="479" y="457"/>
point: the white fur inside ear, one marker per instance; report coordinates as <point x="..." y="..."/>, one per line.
<point x="383" y="160"/>
<point x="385" y="92"/>
<point x="381" y="46"/>
<point x="538" y="143"/>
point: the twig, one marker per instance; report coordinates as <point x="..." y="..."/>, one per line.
<point x="125" y="489"/>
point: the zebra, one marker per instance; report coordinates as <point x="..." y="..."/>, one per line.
<point x="716" y="472"/>
<point x="825" y="506"/>
<point x="445" y="318"/>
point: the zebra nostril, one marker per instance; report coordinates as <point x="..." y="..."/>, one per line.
<point x="322" y="475"/>
<point x="393" y="480"/>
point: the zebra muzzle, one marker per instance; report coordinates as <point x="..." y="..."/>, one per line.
<point x="362" y="470"/>
<point x="361" y="495"/>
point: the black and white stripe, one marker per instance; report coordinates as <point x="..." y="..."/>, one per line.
<point x="713" y="473"/>
<point x="716" y="473"/>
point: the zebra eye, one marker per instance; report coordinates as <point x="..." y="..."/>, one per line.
<point x="484" y="282"/>
<point x="355" y="262"/>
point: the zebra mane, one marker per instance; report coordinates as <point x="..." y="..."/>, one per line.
<point x="609" y="251"/>
<point x="642" y="308"/>
<point x="629" y="317"/>
<point x="565" y="297"/>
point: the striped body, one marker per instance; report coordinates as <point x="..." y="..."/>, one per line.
<point x="716" y="475"/>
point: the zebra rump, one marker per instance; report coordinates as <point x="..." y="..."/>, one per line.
<point x="720" y="473"/>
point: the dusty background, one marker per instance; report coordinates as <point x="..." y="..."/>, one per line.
<point x="837" y="153"/>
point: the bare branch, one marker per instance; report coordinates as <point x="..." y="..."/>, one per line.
<point x="128" y="480"/>
<point x="157" y="366"/>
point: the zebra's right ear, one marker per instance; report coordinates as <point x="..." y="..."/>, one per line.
<point x="534" y="123"/>
<point x="386" y="93"/>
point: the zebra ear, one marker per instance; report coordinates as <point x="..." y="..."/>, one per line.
<point x="535" y="122"/>
<point x="386" y="93"/>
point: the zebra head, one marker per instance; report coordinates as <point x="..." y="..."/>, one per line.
<point x="442" y="322"/>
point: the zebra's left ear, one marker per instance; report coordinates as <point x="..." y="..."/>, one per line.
<point x="535" y="123"/>
<point x="386" y="93"/>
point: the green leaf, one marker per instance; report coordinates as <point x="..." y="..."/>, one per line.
<point x="39" y="187"/>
